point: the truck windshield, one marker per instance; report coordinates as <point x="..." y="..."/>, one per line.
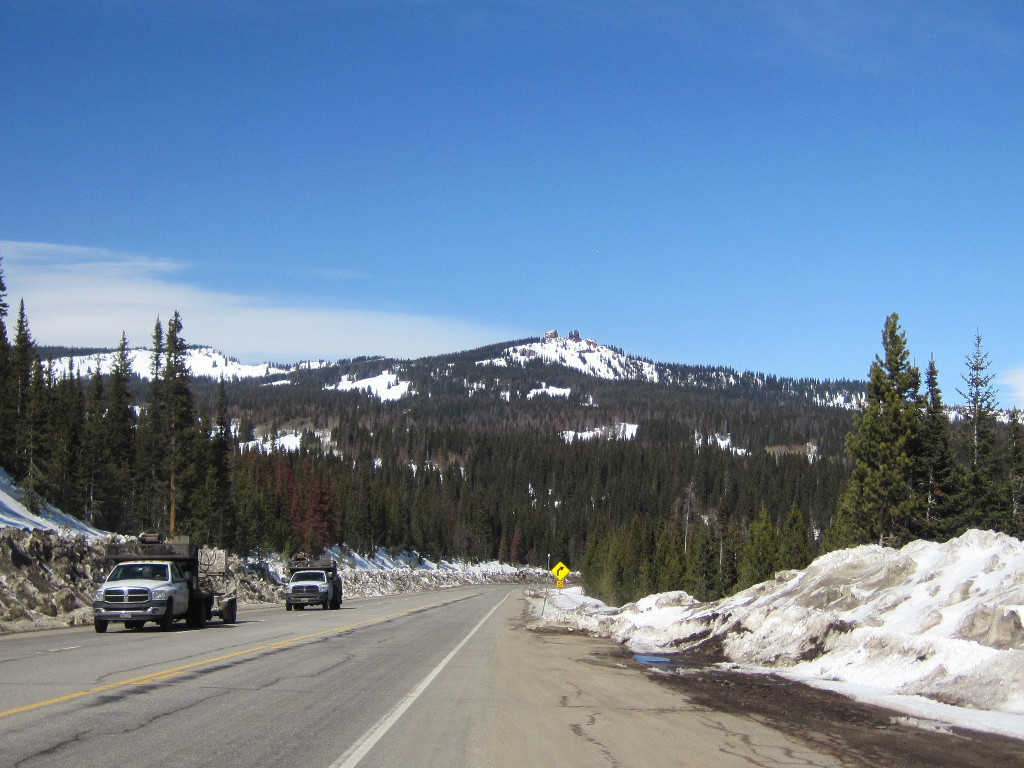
<point x="146" y="571"/>
<point x="310" y="576"/>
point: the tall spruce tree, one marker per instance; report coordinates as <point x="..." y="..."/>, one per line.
<point x="883" y="495"/>
<point x="760" y="558"/>
<point x="186" y="465"/>
<point x="938" y="463"/>
<point x="119" y="429"/>
<point x="983" y="500"/>
<point x="23" y="359"/>
<point x="151" y="493"/>
<point x="37" y="437"/>
<point x="794" y="542"/>
<point x="7" y="401"/>
<point x="1016" y="474"/>
<point x="95" y="456"/>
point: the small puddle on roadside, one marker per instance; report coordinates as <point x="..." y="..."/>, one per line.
<point x="664" y="663"/>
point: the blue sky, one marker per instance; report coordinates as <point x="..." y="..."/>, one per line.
<point x="752" y="184"/>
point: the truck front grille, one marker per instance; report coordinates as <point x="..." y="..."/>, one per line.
<point x="126" y="595"/>
<point x="305" y="591"/>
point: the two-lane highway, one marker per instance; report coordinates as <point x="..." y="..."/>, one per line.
<point x="438" y="679"/>
<point x="275" y="686"/>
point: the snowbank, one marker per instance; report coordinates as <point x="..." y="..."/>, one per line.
<point x="933" y="629"/>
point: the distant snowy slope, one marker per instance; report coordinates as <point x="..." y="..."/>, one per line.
<point x="14" y="514"/>
<point x="584" y="355"/>
<point x="201" y="361"/>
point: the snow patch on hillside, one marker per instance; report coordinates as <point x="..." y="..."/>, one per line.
<point x="619" y="431"/>
<point x="932" y="629"/>
<point x="386" y="386"/>
<point x="549" y="391"/>
<point x="720" y="441"/>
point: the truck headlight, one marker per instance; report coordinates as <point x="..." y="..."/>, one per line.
<point x="322" y="587"/>
<point x="160" y="593"/>
<point x="98" y="595"/>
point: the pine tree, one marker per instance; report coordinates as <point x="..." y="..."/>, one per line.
<point x="8" y="408"/>
<point x="794" y="542"/>
<point x="701" y="563"/>
<point x="1016" y="474"/>
<point x="186" y="465"/>
<point x="95" y="456"/>
<point x="23" y="358"/>
<point x="67" y="417"/>
<point x="883" y="494"/>
<point x="760" y="558"/>
<point x="939" y="468"/>
<point x="37" y="438"/>
<point x="119" y="430"/>
<point x="983" y="500"/>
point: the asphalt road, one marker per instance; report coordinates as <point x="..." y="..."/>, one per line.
<point x="438" y="679"/>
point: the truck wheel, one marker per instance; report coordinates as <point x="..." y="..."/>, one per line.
<point x="167" y="620"/>
<point x="229" y="612"/>
<point x="287" y="606"/>
<point x="336" y="604"/>
<point x="100" y="625"/>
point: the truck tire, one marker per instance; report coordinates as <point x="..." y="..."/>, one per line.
<point x="100" y="625"/>
<point x="196" y="615"/>
<point x="336" y="603"/>
<point x="167" y="620"/>
<point x="229" y="612"/>
<point x="287" y="605"/>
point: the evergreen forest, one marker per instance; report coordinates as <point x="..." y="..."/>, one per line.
<point x="730" y="476"/>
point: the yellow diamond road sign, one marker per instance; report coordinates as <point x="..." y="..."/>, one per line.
<point x="561" y="571"/>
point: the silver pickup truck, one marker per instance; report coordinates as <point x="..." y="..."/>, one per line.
<point x="312" y="582"/>
<point x="137" y="592"/>
<point x="162" y="580"/>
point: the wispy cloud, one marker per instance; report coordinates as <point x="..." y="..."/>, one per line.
<point x="1013" y="383"/>
<point x="85" y="297"/>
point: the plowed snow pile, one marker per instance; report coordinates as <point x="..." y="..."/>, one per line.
<point x="935" y="629"/>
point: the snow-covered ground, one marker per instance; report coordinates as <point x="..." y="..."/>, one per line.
<point x="620" y="431"/>
<point x="932" y="630"/>
<point x="386" y="386"/>
<point x="15" y="514"/>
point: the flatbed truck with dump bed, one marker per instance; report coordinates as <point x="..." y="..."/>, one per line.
<point x="162" y="580"/>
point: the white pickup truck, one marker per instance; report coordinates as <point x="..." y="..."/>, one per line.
<point x="137" y="592"/>
<point x="312" y="582"/>
<point x="161" y="581"/>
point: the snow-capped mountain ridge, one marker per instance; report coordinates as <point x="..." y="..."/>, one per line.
<point x="388" y="379"/>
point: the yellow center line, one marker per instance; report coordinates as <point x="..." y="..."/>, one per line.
<point x="174" y="671"/>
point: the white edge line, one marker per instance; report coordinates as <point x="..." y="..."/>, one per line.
<point x="368" y="740"/>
